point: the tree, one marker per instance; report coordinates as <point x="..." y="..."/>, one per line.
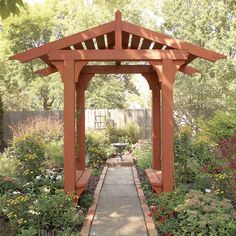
<point x="30" y="29"/>
<point x="210" y="24"/>
<point x="109" y="92"/>
<point x="10" y="6"/>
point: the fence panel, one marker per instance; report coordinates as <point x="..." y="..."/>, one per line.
<point x="94" y="119"/>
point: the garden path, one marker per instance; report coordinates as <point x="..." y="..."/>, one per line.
<point x="119" y="211"/>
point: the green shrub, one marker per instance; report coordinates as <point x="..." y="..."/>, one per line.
<point x="14" y="208"/>
<point x="143" y="154"/>
<point x="97" y="148"/>
<point x="203" y="182"/>
<point x="54" y="154"/>
<point x="29" y="150"/>
<point x="129" y="133"/>
<point x="185" y="163"/>
<point x="48" y="213"/>
<point x="54" y="212"/>
<point x="221" y="126"/>
<point x="204" y="215"/>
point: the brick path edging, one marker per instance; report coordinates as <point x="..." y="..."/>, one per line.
<point x="92" y="210"/>
<point x="148" y="220"/>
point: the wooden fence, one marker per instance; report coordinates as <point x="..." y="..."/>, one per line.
<point x="94" y="119"/>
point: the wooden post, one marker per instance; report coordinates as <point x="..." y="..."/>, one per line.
<point x="80" y="119"/>
<point x="154" y="86"/>
<point x="69" y="126"/>
<point x="166" y="73"/>
<point x="156" y="124"/>
<point x="81" y="86"/>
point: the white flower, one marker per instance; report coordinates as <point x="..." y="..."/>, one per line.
<point x="33" y="212"/>
<point x="15" y="192"/>
<point x="207" y="190"/>
<point x="46" y="190"/>
<point x="59" y="177"/>
<point x="26" y="184"/>
<point x="38" y="177"/>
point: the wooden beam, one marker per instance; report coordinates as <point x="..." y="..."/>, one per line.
<point x="64" y="42"/>
<point x="171" y="42"/>
<point x="119" y="55"/>
<point x="124" y="69"/>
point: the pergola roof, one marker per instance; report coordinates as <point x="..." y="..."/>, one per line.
<point x="102" y="37"/>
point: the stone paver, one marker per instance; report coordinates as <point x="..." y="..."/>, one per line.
<point x="119" y="212"/>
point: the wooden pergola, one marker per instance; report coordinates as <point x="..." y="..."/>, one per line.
<point x="118" y="41"/>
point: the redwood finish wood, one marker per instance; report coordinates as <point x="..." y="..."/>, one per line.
<point x="146" y="44"/>
<point x="118" y="55"/>
<point x="135" y="42"/>
<point x="124" y="69"/>
<point x="69" y="126"/>
<point x="154" y="85"/>
<point x="156" y="123"/>
<point x="101" y="42"/>
<point x="80" y="120"/>
<point x="167" y="56"/>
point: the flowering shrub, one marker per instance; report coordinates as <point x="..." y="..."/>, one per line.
<point x="204" y="215"/>
<point x="54" y="212"/>
<point x="29" y="150"/>
<point x="162" y="209"/>
<point x="14" y="207"/>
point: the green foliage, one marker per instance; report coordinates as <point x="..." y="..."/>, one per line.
<point x="29" y="150"/>
<point x="97" y="146"/>
<point x="54" y="154"/>
<point x="46" y="213"/>
<point x="1" y="122"/>
<point x="205" y="215"/>
<point x="8" y="163"/>
<point x="130" y="133"/>
<point x="162" y="209"/>
<point x="101" y="92"/>
<point x="86" y="200"/>
<point x="221" y="126"/>
<point x="55" y="211"/>
<point x="15" y="208"/>
<point x="189" y="156"/>
<point x="203" y="182"/>
<point x="143" y="154"/>
<point x="213" y="24"/>
<point x="28" y="232"/>
<point x="10" y="6"/>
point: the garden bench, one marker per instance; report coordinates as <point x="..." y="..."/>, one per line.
<point x="155" y="179"/>
<point x="82" y="179"/>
